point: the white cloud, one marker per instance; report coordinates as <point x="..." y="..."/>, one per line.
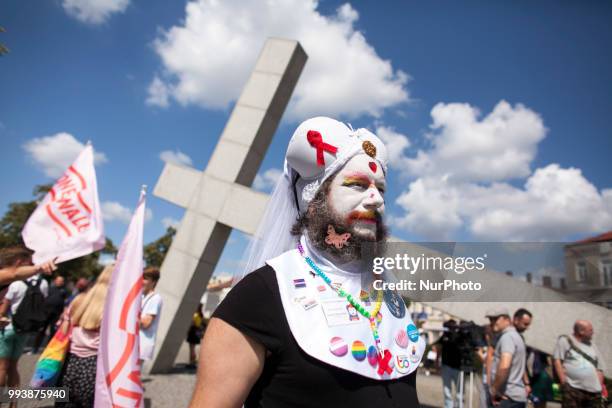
<point x="267" y="180"/>
<point x="170" y="222"/>
<point x="462" y="182"/>
<point x="115" y="211"/>
<point x="53" y="154"/>
<point x="554" y="203"/>
<point x="94" y="11"/>
<point x="501" y="146"/>
<point x="159" y="93"/>
<point x="431" y="209"/>
<point x="208" y="57"/>
<point x="176" y="157"/>
<point x="396" y="144"/>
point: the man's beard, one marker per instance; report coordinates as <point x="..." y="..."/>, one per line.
<point x="315" y="224"/>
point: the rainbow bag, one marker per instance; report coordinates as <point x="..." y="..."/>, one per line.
<point x="49" y="365"/>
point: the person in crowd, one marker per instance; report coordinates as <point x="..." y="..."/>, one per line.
<point x="430" y="361"/>
<point x="12" y="338"/>
<point x="484" y="353"/>
<point x="538" y="369"/>
<point x="507" y="389"/>
<point x="194" y="335"/>
<point x="80" y="286"/>
<point x="580" y="366"/>
<point x="54" y="307"/>
<point x="151" y="310"/>
<point x="522" y="320"/>
<point x="450" y="355"/>
<point x="16" y="264"/>
<point x="84" y="314"/>
<point x="307" y="325"/>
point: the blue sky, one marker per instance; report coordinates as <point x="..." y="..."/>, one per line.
<point x="525" y="86"/>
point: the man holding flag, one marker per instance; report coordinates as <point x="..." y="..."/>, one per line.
<point x="16" y="266"/>
<point x="66" y="224"/>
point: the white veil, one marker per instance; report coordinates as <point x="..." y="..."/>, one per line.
<point x="273" y="236"/>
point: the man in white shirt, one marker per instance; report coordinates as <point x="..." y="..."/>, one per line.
<point x="12" y="343"/>
<point x="580" y="367"/>
<point x="149" y="316"/>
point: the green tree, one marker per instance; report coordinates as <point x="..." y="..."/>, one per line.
<point x="15" y="218"/>
<point x="155" y="252"/>
<point x="13" y="221"/>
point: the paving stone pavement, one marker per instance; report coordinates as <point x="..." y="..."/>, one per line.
<point x="169" y="390"/>
<point x="174" y="390"/>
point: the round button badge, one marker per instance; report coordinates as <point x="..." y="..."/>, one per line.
<point x="395" y="304"/>
<point x="372" y="356"/>
<point x="338" y="346"/>
<point x="413" y="333"/>
<point x="401" y="338"/>
<point x="358" y="350"/>
<point x="402" y="364"/>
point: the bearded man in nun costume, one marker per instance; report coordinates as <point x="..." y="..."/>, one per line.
<point x="304" y="327"/>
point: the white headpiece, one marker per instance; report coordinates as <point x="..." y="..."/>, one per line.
<point x="318" y="148"/>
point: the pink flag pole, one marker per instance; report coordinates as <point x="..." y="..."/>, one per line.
<point x="118" y="373"/>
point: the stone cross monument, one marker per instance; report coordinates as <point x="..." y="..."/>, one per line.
<point x="220" y="198"/>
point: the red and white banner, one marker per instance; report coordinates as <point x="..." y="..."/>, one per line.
<point x="68" y="224"/>
<point x="118" y="373"/>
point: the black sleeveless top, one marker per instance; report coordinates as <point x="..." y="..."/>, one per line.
<point x="290" y="377"/>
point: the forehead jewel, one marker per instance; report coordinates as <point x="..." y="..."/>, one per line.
<point x="369" y="148"/>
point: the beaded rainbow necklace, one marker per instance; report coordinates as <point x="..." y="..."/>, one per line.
<point x="372" y="316"/>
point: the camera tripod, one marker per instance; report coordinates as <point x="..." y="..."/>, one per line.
<point x="471" y="387"/>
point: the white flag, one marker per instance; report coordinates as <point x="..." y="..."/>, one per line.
<point x="118" y="373"/>
<point x="68" y="224"/>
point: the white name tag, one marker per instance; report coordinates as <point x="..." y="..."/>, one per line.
<point x="340" y="312"/>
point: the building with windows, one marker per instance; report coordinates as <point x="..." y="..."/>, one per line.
<point x="588" y="268"/>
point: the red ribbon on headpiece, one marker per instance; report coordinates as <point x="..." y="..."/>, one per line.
<point x="316" y="140"/>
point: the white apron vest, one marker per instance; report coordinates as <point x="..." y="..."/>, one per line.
<point x="329" y="329"/>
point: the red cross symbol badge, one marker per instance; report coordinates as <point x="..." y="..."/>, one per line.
<point x="383" y="363"/>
